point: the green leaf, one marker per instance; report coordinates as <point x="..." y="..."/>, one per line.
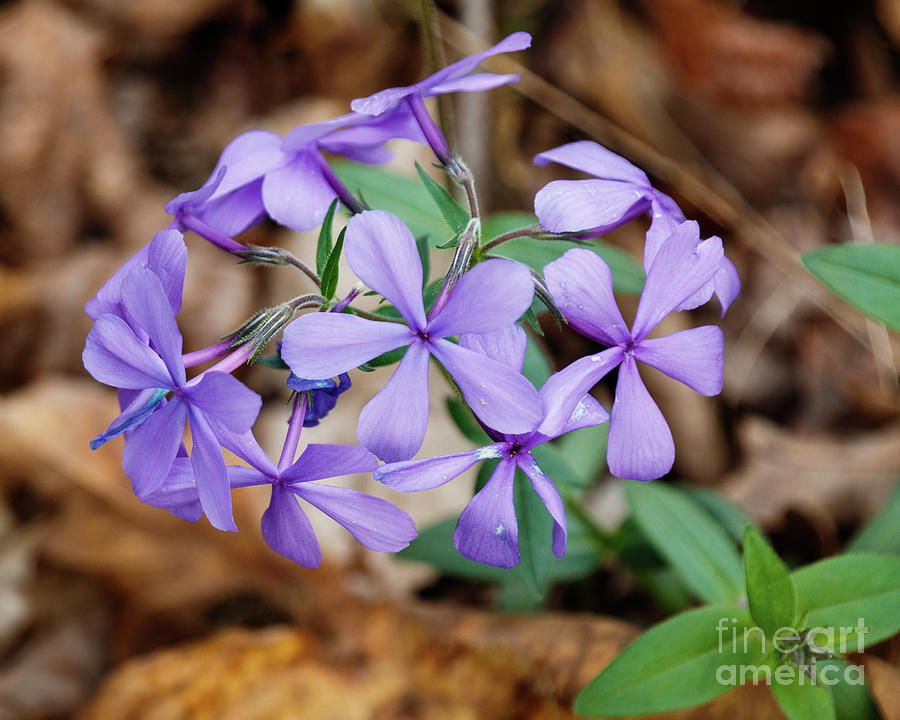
<point x="585" y="451"/>
<point x="800" y="699"/>
<point x="465" y="421"/>
<point x="406" y="197"/>
<point x="694" y="544"/>
<point x="456" y="217"/>
<point x="434" y="546"/>
<point x="324" y="246"/>
<point x="273" y="361"/>
<point x="882" y="533"/>
<point x="855" y="598"/>
<point x="535" y="531"/>
<point x="728" y="515"/>
<point x="685" y="661"/>
<point x="770" y="592"/>
<point x="330" y="272"/>
<point x="849" y="692"/>
<point x="868" y="276"/>
<point x="424" y="258"/>
<point x="536" y="367"/>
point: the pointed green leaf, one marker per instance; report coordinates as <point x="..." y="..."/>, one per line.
<point x="854" y="599"/>
<point x="685" y="661"/>
<point x="770" y="592"/>
<point x="465" y="421"/>
<point x="535" y="529"/>
<point x="536" y="367"/>
<point x="585" y="451"/>
<point x="330" y="272"/>
<point x="434" y="546"/>
<point x="324" y="246"/>
<point x="799" y="698"/>
<point x="456" y="217"/>
<point x="424" y="257"/>
<point x="728" y="515"/>
<point x="868" y="276"/>
<point x="882" y="533"/>
<point x="694" y="544"/>
<point x="848" y="689"/>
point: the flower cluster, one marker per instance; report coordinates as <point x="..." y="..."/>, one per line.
<point x="470" y="326"/>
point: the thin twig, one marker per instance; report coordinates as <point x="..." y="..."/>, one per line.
<point x="531" y="230"/>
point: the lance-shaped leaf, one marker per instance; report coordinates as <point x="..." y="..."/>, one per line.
<point x="325" y="245"/>
<point x="882" y="533"/>
<point x="456" y="217"/>
<point x="770" y="591"/>
<point x="330" y="272"/>
<point x="799" y="698"/>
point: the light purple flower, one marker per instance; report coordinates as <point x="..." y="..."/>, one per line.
<point x="382" y="253"/>
<point x="618" y="193"/>
<point x="260" y="172"/>
<point x="487" y="529"/>
<point x="375" y="523"/>
<point x="640" y="442"/>
<point x="116" y="355"/>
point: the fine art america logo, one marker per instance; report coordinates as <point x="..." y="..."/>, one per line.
<point x="796" y="655"/>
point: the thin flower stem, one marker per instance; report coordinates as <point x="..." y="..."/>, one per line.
<point x="375" y="316"/>
<point x="436" y="140"/>
<point x="346" y="197"/>
<point x="435" y="58"/>
<point x="213" y="352"/>
<point x="192" y="222"/>
<point x="512" y="235"/>
<point x="295" y="427"/>
<point x="277" y="256"/>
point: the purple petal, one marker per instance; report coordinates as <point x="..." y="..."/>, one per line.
<point x="178" y="488"/>
<point x="487" y="531"/>
<point x="581" y="285"/>
<point x="318" y="346"/>
<point x="210" y="474"/>
<point x="375" y="523"/>
<point x="114" y="356"/>
<point x="245" y="446"/>
<point x="233" y="213"/>
<point x="511" y="43"/>
<point x="700" y="297"/>
<point x="682" y="266"/>
<point x="167" y="258"/>
<point x="666" y="216"/>
<point x="506" y="345"/>
<point x="693" y="356"/>
<point x="565" y="389"/>
<point x="587" y="413"/>
<point x="146" y="304"/>
<point x="383" y="100"/>
<point x="247" y="158"/>
<point x="287" y="530"/>
<point x="727" y="283"/>
<point x="477" y="82"/>
<point x="325" y="461"/>
<point x="225" y="400"/>
<point x="415" y="475"/>
<point x="501" y="398"/>
<point x="302" y="136"/>
<point x="382" y="252"/>
<point x="365" y="143"/>
<point x="132" y="416"/>
<point x="151" y="448"/>
<point x="392" y="424"/>
<point x="640" y="442"/>
<point x="109" y="297"/>
<point x="596" y="160"/>
<point x="297" y="195"/>
<point x="597" y="206"/>
<point x="549" y="495"/>
<point x="487" y="298"/>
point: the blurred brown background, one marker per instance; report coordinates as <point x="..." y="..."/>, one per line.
<point x="775" y="124"/>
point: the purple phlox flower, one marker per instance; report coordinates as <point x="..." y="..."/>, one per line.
<point x="382" y="252"/>
<point x="456" y="77"/>
<point x="618" y="193"/>
<point x="322" y="395"/>
<point x="487" y="529"/>
<point x="640" y="442"/>
<point x="375" y="523"/>
<point x="165" y="255"/>
<point x="116" y="355"/>
<point x="260" y="172"/>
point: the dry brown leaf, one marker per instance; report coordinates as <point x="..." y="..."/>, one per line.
<point x="883" y="680"/>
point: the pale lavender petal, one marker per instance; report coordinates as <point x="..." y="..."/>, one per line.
<point x="596" y="160"/>
<point x="382" y="252"/>
<point x="210" y="473"/>
<point x="245" y="446"/>
<point x="701" y="297"/>
<point x="477" y="82"/>
<point x="167" y="258"/>
<point x="247" y="158"/>
<point x="383" y="100"/>
<point x="318" y="346"/>
<point x="682" y="266"/>
<point x="225" y="400"/>
<point x="727" y="283"/>
<point x="581" y="285"/>
<point x="296" y="195"/>
<point x="136" y="411"/>
<point x="109" y="297"/>
<point x="392" y="424"/>
<point x="511" y="43"/>
<point x="587" y="413"/>
<point x="151" y="448"/>
<point x="666" y="216"/>
<point x="487" y="531"/>
<point x="506" y="345"/>
<point x="304" y="135"/>
<point x="233" y="213"/>
<point x="365" y="143"/>
<point x="178" y="488"/>
<point x="325" y="461"/>
<point x="242" y="476"/>
<point x="114" y="356"/>
<point x="693" y="356"/>
<point x="499" y="396"/>
<point x="549" y="495"/>
<point x="375" y="523"/>
<point x="640" y="442"/>
<point x="146" y="304"/>
<point x="597" y="206"/>
<point x="487" y="298"/>
<point x="288" y="531"/>
<point x="428" y="473"/>
<point x="565" y="389"/>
